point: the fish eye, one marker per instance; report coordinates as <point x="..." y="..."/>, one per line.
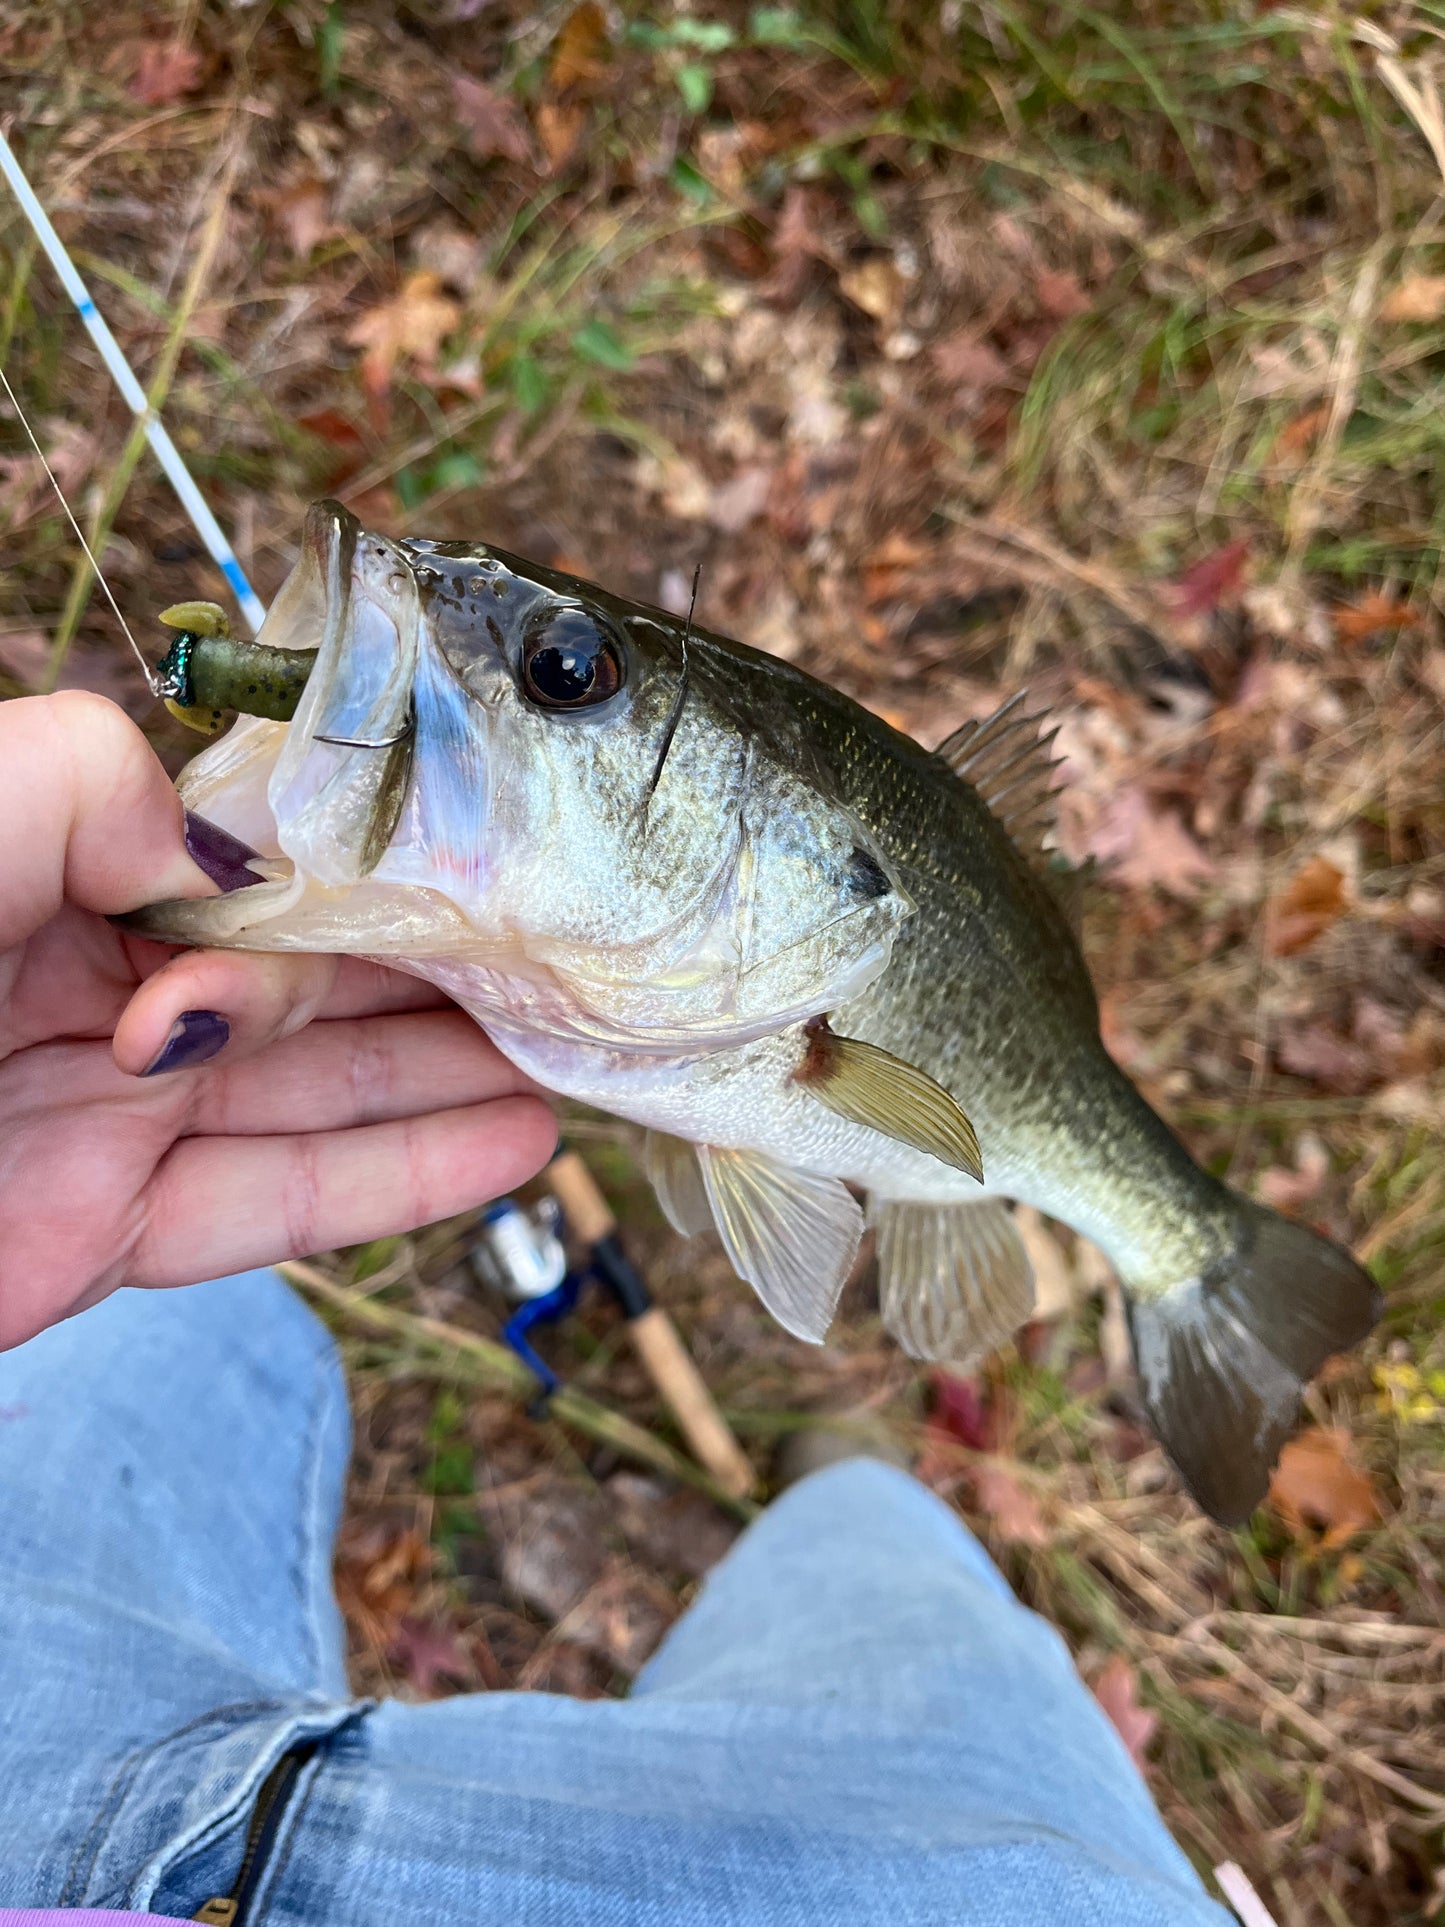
<point x="570" y="659"/>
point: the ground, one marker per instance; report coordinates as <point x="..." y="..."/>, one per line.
<point x="965" y="346"/>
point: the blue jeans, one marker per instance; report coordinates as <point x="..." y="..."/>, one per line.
<point x="856" y="1723"/>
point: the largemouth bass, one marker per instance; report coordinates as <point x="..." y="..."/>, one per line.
<point x="689" y="884"/>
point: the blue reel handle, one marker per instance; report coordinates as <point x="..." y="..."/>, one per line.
<point x="546" y="1310"/>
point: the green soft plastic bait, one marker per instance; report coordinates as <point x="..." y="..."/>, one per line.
<point x="207" y="672"/>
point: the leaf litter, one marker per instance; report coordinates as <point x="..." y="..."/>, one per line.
<point x="945" y="403"/>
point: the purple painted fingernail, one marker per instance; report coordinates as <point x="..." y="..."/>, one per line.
<point x="196" y="1036"/>
<point x="222" y="856"/>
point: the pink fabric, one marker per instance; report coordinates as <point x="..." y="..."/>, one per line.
<point x="79" y="1917"/>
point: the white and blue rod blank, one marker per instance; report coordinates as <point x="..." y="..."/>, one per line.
<point x="166" y="452"/>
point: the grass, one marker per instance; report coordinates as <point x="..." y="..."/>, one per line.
<point x="1183" y="256"/>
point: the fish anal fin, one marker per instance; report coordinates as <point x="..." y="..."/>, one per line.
<point x="791" y="1236"/>
<point x="1008" y="758"/>
<point x="871" y="1086"/>
<point x="673" y="1171"/>
<point x="955" y="1281"/>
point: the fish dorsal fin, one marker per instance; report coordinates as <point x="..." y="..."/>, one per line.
<point x="872" y="1087"/>
<point x="672" y="1168"/>
<point x="1008" y="758"/>
<point x="955" y="1281"/>
<point x="791" y="1236"/>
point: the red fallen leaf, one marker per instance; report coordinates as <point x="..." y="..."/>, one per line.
<point x="1010" y="1504"/>
<point x="1205" y="584"/>
<point x="426" y="1653"/>
<point x="494" y="123"/>
<point x="1117" y="1691"/>
<point x="332" y="426"/>
<point x="165" y="72"/>
<point x="961" y="1412"/>
<point x="1310" y="902"/>
<point x="1317" y="1484"/>
<point x="1059" y="294"/>
<point x="1373" y="612"/>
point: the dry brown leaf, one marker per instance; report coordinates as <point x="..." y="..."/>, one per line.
<point x="581" y="54"/>
<point x="300" y="212"/>
<point x="1146" y="845"/>
<point x="1317" y="1485"/>
<point x="414" y="322"/>
<point x="1298" y="436"/>
<point x="740" y="500"/>
<point x="886" y="568"/>
<point x="1060" y="294"/>
<point x="493" y="122"/>
<point x="970" y="363"/>
<point x="1286" y="1188"/>
<point x="1354" y="621"/>
<point x="1054" y="1289"/>
<point x="1117" y="1691"/>
<point x="1009" y="1503"/>
<point x="1310" y="902"/>
<point x="559" y="128"/>
<point x="796" y="241"/>
<point x="1333" y="1062"/>
<point x="1419" y="297"/>
<point x="875" y="286"/>
<point x="165" y="72"/>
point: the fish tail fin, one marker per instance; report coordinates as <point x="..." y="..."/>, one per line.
<point x="1223" y="1359"/>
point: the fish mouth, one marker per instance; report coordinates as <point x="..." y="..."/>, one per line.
<point x="336" y="774"/>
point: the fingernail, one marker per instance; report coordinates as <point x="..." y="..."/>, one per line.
<point x="222" y="856"/>
<point x="196" y="1036"/>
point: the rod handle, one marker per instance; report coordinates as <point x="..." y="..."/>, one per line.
<point x="669" y="1365"/>
<point x="588" y="1214"/>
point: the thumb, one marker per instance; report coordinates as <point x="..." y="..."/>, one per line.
<point x="87" y="815"/>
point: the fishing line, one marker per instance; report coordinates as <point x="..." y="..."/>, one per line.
<point x="675" y="714"/>
<point x="122" y="374"/>
<point x="146" y="669"/>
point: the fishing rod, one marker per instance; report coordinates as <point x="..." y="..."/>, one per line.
<point x="167" y="454"/>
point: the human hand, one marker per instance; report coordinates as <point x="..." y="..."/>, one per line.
<point x="166" y="1118"/>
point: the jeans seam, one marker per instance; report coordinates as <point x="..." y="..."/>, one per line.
<point x="309" y="1580"/>
<point x="73" y="1894"/>
<point x="292" y="1832"/>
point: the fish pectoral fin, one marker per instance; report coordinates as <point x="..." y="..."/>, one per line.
<point x="672" y="1169"/>
<point x="870" y="1086"/>
<point x="791" y="1236"/>
<point x="955" y="1281"/>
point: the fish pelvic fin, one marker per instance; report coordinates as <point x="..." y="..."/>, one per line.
<point x="1009" y="759"/>
<point x="872" y="1087"/>
<point x="954" y="1280"/>
<point x="675" y="1175"/>
<point x="1223" y="1359"/>
<point x="791" y="1236"/>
